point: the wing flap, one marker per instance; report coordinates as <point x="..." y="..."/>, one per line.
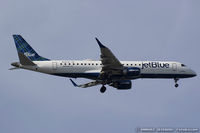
<point x="90" y="84"/>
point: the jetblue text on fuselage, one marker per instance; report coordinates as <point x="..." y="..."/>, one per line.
<point x="155" y="65"/>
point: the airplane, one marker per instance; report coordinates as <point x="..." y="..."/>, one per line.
<point x="107" y="71"/>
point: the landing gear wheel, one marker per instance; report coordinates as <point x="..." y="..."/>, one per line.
<point x="103" y="89"/>
<point x="176" y="80"/>
<point x="176" y="85"/>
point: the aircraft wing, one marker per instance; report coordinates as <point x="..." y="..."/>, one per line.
<point x="110" y="63"/>
<point x="90" y="84"/>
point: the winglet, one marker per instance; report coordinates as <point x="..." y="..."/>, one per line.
<point x="100" y="44"/>
<point x="73" y="83"/>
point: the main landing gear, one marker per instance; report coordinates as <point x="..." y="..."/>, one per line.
<point x="103" y="89"/>
<point x="176" y="80"/>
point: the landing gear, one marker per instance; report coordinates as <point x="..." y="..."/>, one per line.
<point x="103" y="89"/>
<point x="176" y="84"/>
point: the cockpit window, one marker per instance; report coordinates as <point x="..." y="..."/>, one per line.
<point x="183" y="65"/>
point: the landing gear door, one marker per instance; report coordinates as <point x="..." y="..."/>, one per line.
<point x="54" y="65"/>
<point x="174" y="66"/>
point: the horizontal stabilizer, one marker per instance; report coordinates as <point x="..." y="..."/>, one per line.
<point x="14" y="68"/>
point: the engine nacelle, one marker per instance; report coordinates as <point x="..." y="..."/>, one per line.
<point x="131" y="72"/>
<point x="122" y="85"/>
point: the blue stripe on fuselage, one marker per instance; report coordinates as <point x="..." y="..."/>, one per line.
<point x="96" y="75"/>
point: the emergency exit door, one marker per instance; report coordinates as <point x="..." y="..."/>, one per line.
<point x="54" y="65"/>
<point x="174" y="66"/>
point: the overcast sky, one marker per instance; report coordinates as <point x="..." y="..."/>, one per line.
<point x="166" y="30"/>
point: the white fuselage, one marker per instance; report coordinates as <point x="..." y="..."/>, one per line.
<point x="91" y="69"/>
<point x="107" y="71"/>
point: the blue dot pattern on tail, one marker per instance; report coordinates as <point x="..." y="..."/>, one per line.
<point x="23" y="47"/>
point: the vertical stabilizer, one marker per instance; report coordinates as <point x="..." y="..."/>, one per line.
<point x="23" y="48"/>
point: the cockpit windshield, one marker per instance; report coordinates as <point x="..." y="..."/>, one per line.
<point x="183" y="65"/>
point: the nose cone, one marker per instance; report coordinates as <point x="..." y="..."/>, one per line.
<point x="193" y="73"/>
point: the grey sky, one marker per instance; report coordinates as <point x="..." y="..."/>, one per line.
<point x="65" y="29"/>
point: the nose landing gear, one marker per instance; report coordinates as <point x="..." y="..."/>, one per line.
<point x="176" y="85"/>
<point x="176" y="80"/>
<point x="103" y="89"/>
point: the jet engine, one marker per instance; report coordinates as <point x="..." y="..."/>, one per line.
<point x="122" y="84"/>
<point x="131" y="72"/>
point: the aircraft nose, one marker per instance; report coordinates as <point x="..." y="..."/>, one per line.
<point x="193" y="73"/>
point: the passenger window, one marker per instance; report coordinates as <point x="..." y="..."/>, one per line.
<point x="77" y="64"/>
<point x="92" y="63"/>
<point x="61" y="64"/>
<point x="69" y="64"/>
<point x="81" y="63"/>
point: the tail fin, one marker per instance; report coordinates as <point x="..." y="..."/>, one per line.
<point x="24" y="48"/>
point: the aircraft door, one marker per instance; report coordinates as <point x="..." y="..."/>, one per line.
<point x="174" y="66"/>
<point x="54" y="65"/>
